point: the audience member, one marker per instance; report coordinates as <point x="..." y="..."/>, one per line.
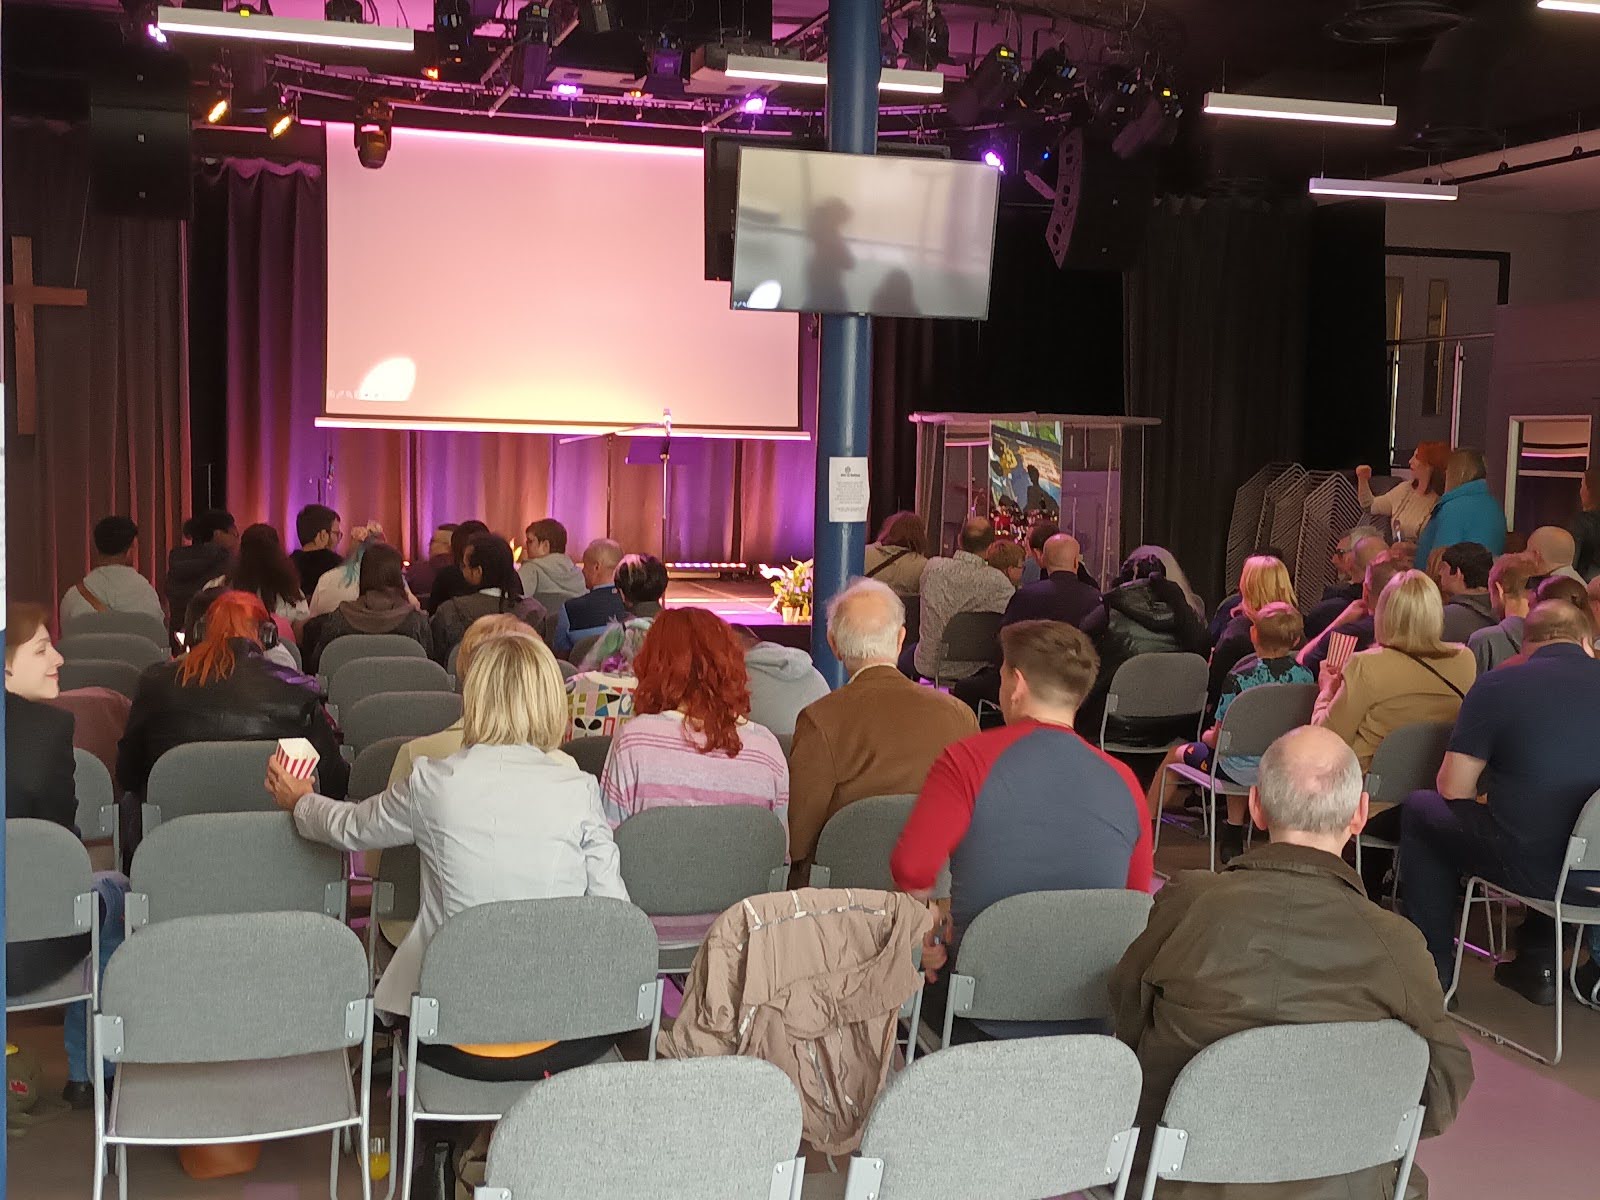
<point x="546" y="571"/>
<point x="1585" y="527"/>
<point x="507" y="817"/>
<point x="1262" y="581"/>
<point x="1225" y="611"/>
<point x="1060" y="595"/>
<point x="782" y="682"/>
<point x="40" y="784"/>
<point x="1008" y="558"/>
<point x="1027" y="808"/>
<point x="318" y="529"/>
<point x="1356" y="620"/>
<point x="964" y="582"/>
<point x="1558" y="589"/>
<point x="213" y="537"/>
<point x="1594" y="601"/>
<point x="491" y="570"/>
<point x="1411" y="675"/>
<point x="1040" y="532"/>
<point x="641" y="583"/>
<point x="1276" y="631"/>
<point x="264" y="570"/>
<point x="587" y="615"/>
<point x="344" y="582"/>
<point x="1173" y="571"/>
<point x="448" y="581"/>
<point x="1284" y="936"/>
<point x="1510" y="598"/>
<point x="1525" y="737"/>
<point x="1463" y="578"/>
<point x="422" y="574"/>
<point x="1554" y="548"/>
<point x="113" y="583"/>
<point x="381" y="606"/>
<point x="223" y="690"/>
<point x="1408" y="505"/>
<point x="600" y="695"/>
<point x="1467" y="512"/>
<point x="879" y="733"/>
<point x="1361" y="548"/>
<point x="900" y="553"/>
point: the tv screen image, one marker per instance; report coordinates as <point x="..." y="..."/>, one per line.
<point x="848" y="233"/>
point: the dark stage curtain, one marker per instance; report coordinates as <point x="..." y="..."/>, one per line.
<point x="112" y="434"/>
<point x="1216" y="348"/>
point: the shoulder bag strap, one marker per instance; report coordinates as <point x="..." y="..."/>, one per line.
<point x="888" y="562"/>
<point x="94" y="601"/>
<point x="1423" y="664"/>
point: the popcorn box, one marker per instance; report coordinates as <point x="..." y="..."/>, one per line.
<point x="1340" y="647"/>
<point x="297" y="757"/>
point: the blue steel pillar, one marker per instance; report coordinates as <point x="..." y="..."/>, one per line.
<point x="845" y="376"/>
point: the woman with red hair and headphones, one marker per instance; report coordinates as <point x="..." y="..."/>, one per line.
<point x="225" y="690"/>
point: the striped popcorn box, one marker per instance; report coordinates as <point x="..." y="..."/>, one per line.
<point x="297" y="757"/>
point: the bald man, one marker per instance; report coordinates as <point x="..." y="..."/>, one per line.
<point x="1467" y="512"/>
<point x="1360" y="552"/>
<point x="586" y="615"/>
<point x="1218" y="955"/>
<point x="1554" y="548"/>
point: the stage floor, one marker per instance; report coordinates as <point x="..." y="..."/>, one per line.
<point x="740" y="602"/>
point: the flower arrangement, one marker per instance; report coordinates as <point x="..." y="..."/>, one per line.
<point x="791" y="589"/>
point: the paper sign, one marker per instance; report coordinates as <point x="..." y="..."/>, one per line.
<point x="848" y="494"/>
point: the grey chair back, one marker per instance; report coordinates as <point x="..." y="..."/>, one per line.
<point x="1159" y="685"/>
<point x="785" y="743"/>
<point x="1356" y="1083"/>
<point x="451" y="661"/>
<point x="1407" y="761"/>
<point x="153" y="629"/>
<point x="97" y="800"/>
<point x="398" y="714"/>
<point x="1261" y="715"/>
<point x="209" y="777"/>
<point x="681" y="1114"/>
<point x="567" y="669"/>
<point x="701" y="858"/>
<point x="1044" y="1116"/>
<point x="234" y="988"/>
<point x="131" y="648"/>
<point x="580" y="649"/>
<point x="1045" y="956"/>
<point x="110" y="673"/>
<point x="351" y="646"/>
<point x="238" y="862"/>
<point x="527" y="970"/>
<point x="49" y="882"/>
<point x="367" y="676"/>
<point x="854" y="846"/>
<point x="369" y="774"/>
<point x="971" y="637"/>
<point x="397" y="884"/>
<point x="590" y="753"/>
<point x="294" y="652"/>
<point x="1583" y="847"/>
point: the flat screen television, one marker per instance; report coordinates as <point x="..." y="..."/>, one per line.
<point x="850" y="233"/>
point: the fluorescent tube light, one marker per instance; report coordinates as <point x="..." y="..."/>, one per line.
<point x="1577" y="6"/>
<point x="1384" y="189"/>
<point x="805" y="71"/>
<point x="1284" y="108"/>
<point x="257" y="28"/>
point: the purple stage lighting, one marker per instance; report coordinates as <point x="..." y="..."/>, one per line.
<point x="568" y="90"/>
<point x="154" y="33"/>
<point x="991" y="159"/>
<point x="755" y="105"/>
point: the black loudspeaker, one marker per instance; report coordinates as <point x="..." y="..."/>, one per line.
<point x="1101" y="207"/>
<point x="139" y="136"/>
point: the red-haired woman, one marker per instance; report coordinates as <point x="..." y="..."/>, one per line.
<point x="1409" y="505"/>
<point x="223" y="690"/>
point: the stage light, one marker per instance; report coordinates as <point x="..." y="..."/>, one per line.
<point x="754" y="105"/>
<point x="452" y="26"/>
<point x="1051" y="85"/>
<point x="1384" y="189"/>
<point x="992" y="159"/>
<point x="348" y="11"/>
<point x="567" y="91"/>
<point x="374" y="127"/>
<point x="279" y="117"/>
<point x="431" y="71"/>
<point x="596" y="16"/>
<point x="533" y="22"/>
<point x="1577" y="6"/>
<point x="219" y="96"/>
<point x="153" y="32"/>
<point x="1284" y="108"/>
<point x="990" y="87"/>
<point x="249" y="24"/>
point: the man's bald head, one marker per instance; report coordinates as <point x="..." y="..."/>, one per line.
<point x="1554" y="621"/>
<point x="1553" y="545"/>
<point x="866" y="624"/>
<point x="1309" y="783"/>
<point x="1365" y="552"/>
<point x="600" y="559"/>
<point x="1061" y="553"/>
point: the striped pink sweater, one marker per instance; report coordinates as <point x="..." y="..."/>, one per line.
<point x="654" y="764"/>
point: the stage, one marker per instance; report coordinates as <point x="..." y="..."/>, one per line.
<point x="740" y="602"/>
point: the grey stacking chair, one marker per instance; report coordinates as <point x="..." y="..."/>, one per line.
<point x="215" y="863"/>
<point x="590" y="753"/>
<point x="854" y="846"/>
<point x="1355" y="1083"/>
<point x="1153" y="686"/>
<point x="351" y="646"/>
<point x="969" y="637"/>
<point x="396" y="714"/>
<point x="234" y="1028"/>
<point x="1044" y="956"/>
<point x="293" y="648"/>
<point x="567" y="669"/>
<point x="396" y="897"/>
<point x="1583" y="854"/>
<point x="451" y="660"/>
<point x="153" y="629"/>
<point x="363" y="677"/>
<point x="1255" y="719"/>
<point x="1045" y="1116"/>
<point x="208" y="777"/>
<point x="680" y="862"/>
<point x="130" y="648"/>
<point x="110" y="673"/>
<point x="523" y="971"/>
<point x="675" y="1142"/>
<point x="369" y="774"/>
<point x="97" y="800"/>
<point x="1406" y="761"/>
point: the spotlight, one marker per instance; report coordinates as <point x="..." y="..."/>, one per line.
<point x="596" y="16"/>
<point x="374" y="132"/>
<point x="279" y="117"/>
<point x="153" y="32"/>
<point x="533" y="22"/>
<point x="927" y="41"/>
<point x="452" y="27"/>
<point x="993" y="159"/>
<point x="1118" y="104"/>
<point x="431" y="71"/>
<point x="348" y="11"/>
<point x="219" y="96"/>
<point x="1051" y="85"/>
<point x="567" y="91"/>
<point x="754" y="104"/>
<point x="992" y="83"/>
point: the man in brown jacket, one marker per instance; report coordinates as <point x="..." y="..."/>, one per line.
<point x="877" y="735"/>
<point x="1284" y="936"/>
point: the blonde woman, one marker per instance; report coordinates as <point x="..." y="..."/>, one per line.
<point x="504" y="818"/>
<point x="1263" y="580"/>
<point x="1411" y="675"/>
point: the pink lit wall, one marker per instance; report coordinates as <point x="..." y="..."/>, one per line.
<point x="485" y="283"/>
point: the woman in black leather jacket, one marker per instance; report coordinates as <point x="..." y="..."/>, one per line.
<point x="223" y="690"/>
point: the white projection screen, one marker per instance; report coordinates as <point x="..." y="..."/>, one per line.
<point x="491" y="283"/>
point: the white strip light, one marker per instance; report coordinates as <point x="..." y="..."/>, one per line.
<point x="256" y="28"/>
<point x="1284" y="108"/>
<point x="1383" y="189"/>
<point x="792" y="70"/>
<point x="1578" y="6"/>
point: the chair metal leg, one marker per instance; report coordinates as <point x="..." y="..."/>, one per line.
<point x="122" y="1173"/>
<point x="1161" y="808"/>
<point x="333" y="1162"/>
<point x="411" y="1124"/>
<point x="395" y="1160"/>
<point x="1211" y="826"/>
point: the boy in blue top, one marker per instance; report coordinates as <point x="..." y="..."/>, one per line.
<point x="1467" y="512"/>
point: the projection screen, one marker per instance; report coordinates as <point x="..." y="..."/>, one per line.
<point x="483" y="282"/>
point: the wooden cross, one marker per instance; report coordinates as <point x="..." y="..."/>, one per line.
<point x="24" y="296"/>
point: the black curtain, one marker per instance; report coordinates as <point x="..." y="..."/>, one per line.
<point x="1347" y="398"/>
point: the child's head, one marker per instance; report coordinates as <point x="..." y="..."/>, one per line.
<point x="1276" y="630"/>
